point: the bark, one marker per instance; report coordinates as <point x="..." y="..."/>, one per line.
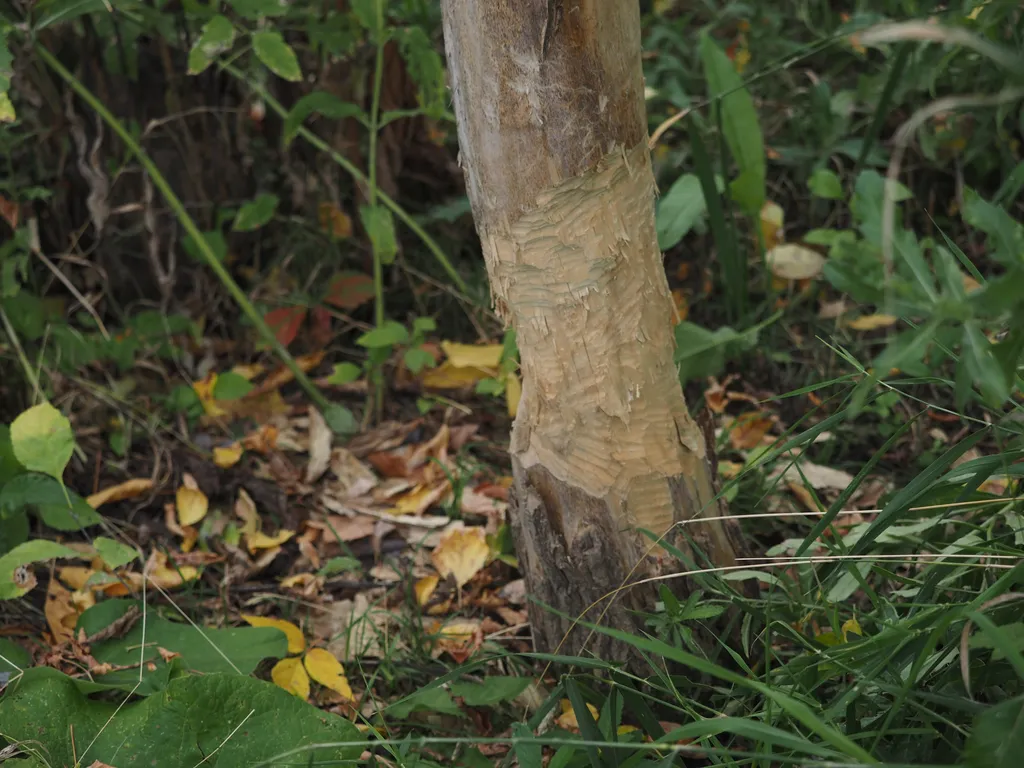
<point x="549" y="98"/>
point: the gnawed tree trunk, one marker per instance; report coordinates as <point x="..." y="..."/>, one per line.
<point x="549" y="97"/>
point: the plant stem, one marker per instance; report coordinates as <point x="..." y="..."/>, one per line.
<point x="203" y="247"/>
<point x="378" y="266"/>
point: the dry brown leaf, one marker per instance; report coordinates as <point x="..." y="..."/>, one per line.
<point x="420" y="499"/>
<point x="61" y="614"/>
<point x="166" y="576"/>
<point x="129" y="489"/>
<point x="320" y="438"/>
<point x="245" y="510"/>
<point x="358" y="627"/>
<point x="461" y="554"/>
<point x="347" y="529"/>
<point x="805" y="496"/>
<point x="749" y="430"/>
<point x="459" y="638"/>
<point x="354" y="477"/>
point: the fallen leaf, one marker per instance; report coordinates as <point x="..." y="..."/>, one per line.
<point x="472" y="502"/>
<point x="420" y="499"/>
<point x="805" y="496"/>
<point x="61" y="614"/>
<point x="227" y="455"/>
<point x="323" y="667"/>
<point x="204" y="391"/>
<point x="129" y="489"/>
<point x="245" y="509"/>
<point x="513" y="393"/>
<point x="568" y="720"/>
<point x="349" y="290"/>
<point x="296" y="640"/>
<point x="359" y="628"/>
<point x="472" y="355"/>
<point x="830" y="310"/>
<point x="794" y="262"/>
<point x="461" y="554"/>
<point x="347" y="529"/>
<point x="459" y="639"/>
<point x="263" y="440"/>
<point x="285" y="323"/>
<point x="772" y="218"/>
<point x="354" y="477"/>
<point x="819" y="477"/>
<point x="334" y="221"/>
<point x="308" y="584"/>
<point x="871" y="322"/>
<point x="320" y="438"/>
<point x="259" y="540"/>
<point x="291" y="675"/>
<point x="191" y="505"/>
<point x="425" y="587"/>
<point x="166" y="576"/>
<point x="748" y="431"/>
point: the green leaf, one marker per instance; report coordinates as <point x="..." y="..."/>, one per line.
<point x="1005" y="236"/>
<point x="700" y="352"/>
<point x="340" y="420"/>
<point x="389" y="334"/>
<point x="417" y="358"/>
<point x="824" y="183"/>
<point x="34" y="551"/>
<point x="255" y="213"/>
<point x="13" y="658"/>
<point x="337" y="565"/>
<point x="739" y="124"/>
<point x="433" y="699"/>
<point x="114" y="553"/>
<point x="9" y="464"/>
<point x="231" y="386"/>
<point x="380" y="227"/>
<point x="216" y="37"/>
<point x="236" y="650"/>
<point x="278" y="56"/>
<point x="14" y="528"/>
<point x="240" y="720"/>
<point x="57" y="506"/>
<point x="425" y="67"/>
<point x="321" y="103"/>
<point x="680" y="210"/>
<point x="493" y="690"/>
<point x="214" y="239"/>
<point x="997" y="739"/>
<point x="42" y="440"/>
<point x="254" y="10"/>
<point x="63" y="11"/>
<point x="983" y="366"/>
<point x="344" y="373"/>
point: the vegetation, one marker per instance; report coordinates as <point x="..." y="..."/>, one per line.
<point x="254" y="469"/>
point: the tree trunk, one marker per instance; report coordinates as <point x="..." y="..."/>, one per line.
<point x="549" y="97"/>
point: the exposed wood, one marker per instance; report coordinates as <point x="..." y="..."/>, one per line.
<point x="553" y="138"/>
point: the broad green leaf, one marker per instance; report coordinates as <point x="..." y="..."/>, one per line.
<point x="432" y="699"/>
<point x="322" y="103"/>
<point x="34" y="551"/>
<point x="680" y="210"/>
<point x="255" y="10"/>
<point x="216" y="37"/>
<point x="380" y="227"/>
<point x="387" y="335"/>
<point x="997" y="739"/>
<point x="493" y="690"/>
<point x="114" y="553"/>
<point x="824" y="183"/>
<point x="63" y="11"/>
<point x="340" y="420"/>
<point x="42" y="440"/>
<point x="1005" y="235"/>
<point x="425" y="67"/>
<point x="214" y="239"/>
<point x="417" y="358"/>
<point x="739" y="124"/>
<point x="278" y="56"/>
<point x="241" y="721"/>
<point x="9" y="464"/>
<point x="14" y="528"/>
<point x="345" y="373"/>
<point x="701" y="352"/>
<point x="58" y="507"/>
<point x="983" y="366"/>
<point x="255" y="213"/>
<point x="231" y="386"/>
<point x="208" y="650"/>
<point x="13" y="658"/>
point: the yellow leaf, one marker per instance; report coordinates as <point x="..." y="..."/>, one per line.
<point x="245" y="508"/>
<point x="794" y="262"/>
<point x="129" y="489"/>
<point x="871" y="322"/>
<point x="248" y="371"/>
<point x="851" y="626"/>
<point x="513" y="393"/>
<point x="425" y="587"/>
<point x="772" y="218"/>
<point x="296" y="640"/>
<point x="260" y="540"/>
<point x="227" y="456"/>
<point x="472" y="355"/>
<point x="568" y="720"/>
<point x="327" y="670"/>
<point x="168" y="576"/>
<point x="204" y="391"/>
<point x="191" y="504"/>
<point x="449" y="376"/>
<point x="461" y="554"/>
<point x="622" y="730"/>
<point x="290" y="675"/>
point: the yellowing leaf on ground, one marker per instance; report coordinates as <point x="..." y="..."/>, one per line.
<point x="191" y="505"/>
<point x="872" y="322"/>
<point x="449" y="376"/>
<point x="748" y="431"/>
<point x="323" y="667"/>
<point x="296" y="640"/>
<point x="334" y="221"/>
<point x="227" y="455"/>
<point x="792" y="261"/>
<point x="129" y="489"/>
<point x="772" y="218"/>
<point x="60" y="611"/>
<point x="168" y="576"/>
<point x="461" y="554"/>
<point x="419" y="499"/>
<point x="291" y="675"/>
<point x="425" y="587"/>
<point x="513" y="393"/>
<point x="568" y="720"/>
<point x="259" y="540"/>
<point x="204" y="391"/>
<point x="472" y="355"/>
<point x="245" y="509"/>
